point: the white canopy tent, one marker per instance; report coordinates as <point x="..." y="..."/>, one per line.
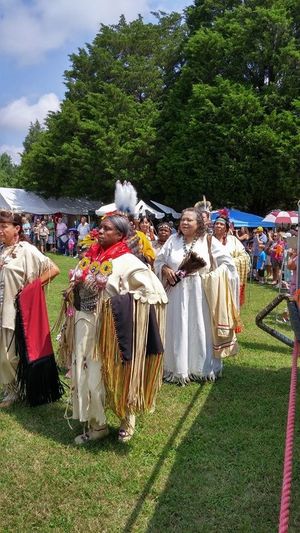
<point x="21" y="201"/>
<point x="72" y="206"/>
<point x="104" y="209"/>
<point x="142" y="208"/>
<point x="167" y="210"/>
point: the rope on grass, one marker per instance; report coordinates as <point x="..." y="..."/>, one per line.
<point x="288" y="453"/>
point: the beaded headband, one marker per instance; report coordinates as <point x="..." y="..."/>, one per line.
<point x="221" y="219"/>
<point x="163" y="225"/>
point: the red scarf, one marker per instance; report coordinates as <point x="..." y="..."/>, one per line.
<point x="97" y="253"/>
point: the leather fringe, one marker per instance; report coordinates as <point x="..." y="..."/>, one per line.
<point x="131" y="386"/>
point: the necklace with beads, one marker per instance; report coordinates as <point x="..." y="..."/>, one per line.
<point x="7" y="252"/>
<point x="189" y="250"/>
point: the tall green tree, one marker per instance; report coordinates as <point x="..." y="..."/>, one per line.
<point x="35" y="129"/>
<point x="106" y="128"/>
<point x="229" y="149"/>
<point x="231" y="128"/>
<point x="8" y="171"/>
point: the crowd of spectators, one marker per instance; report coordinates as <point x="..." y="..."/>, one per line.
<point x="271" y="251"/>
<point x="52" y="234"/>
<point x="272" y="255"/>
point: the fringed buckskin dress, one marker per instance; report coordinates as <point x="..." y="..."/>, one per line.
<point x="109" y="367"/>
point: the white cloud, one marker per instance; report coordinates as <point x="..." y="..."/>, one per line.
<point x="18" y="114"/>
<point x="13" y="151"/>
<point x="29" y="29"/>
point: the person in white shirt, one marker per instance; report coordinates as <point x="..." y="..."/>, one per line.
<point x="61" y="238"/>
<point x="43" y="236"/>
<point x="83" y="229"/>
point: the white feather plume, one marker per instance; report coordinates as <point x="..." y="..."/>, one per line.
<point x="125" y="197"/>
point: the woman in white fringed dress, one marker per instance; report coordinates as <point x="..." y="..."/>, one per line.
<point x="189" y="349"/>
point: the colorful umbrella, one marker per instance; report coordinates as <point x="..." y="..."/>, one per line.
<point x="294" y="216"/>
<point x="283" y="217"/>
<point x="270" y="217"/>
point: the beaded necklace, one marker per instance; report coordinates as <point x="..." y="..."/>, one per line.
<point x="6" y="252"/>
<point x="189" y="250"/>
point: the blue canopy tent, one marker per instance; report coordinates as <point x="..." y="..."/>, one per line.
<point x="240" y="218"/>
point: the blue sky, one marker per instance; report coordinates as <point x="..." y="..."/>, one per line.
<point x="36" y="38"/>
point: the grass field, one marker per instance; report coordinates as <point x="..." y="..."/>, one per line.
<point x="208" y="460"/>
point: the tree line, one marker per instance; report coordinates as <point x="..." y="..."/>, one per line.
<point x="205" y="102"/>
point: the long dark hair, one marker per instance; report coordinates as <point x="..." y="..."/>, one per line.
<point x="201" y="228"/>
<point x="7" y="217"/>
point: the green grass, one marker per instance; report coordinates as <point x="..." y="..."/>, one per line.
<point x="208" y="460"/>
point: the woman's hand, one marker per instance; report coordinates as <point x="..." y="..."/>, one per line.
<point x="67" y="292"/>
<point x="170" y="274"/>
<point x="91" y="284"/>
<point x="49" y="274"/>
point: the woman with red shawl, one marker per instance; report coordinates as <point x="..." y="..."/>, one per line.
<point x="115" y="310"/>
<point x="23" y="267"/>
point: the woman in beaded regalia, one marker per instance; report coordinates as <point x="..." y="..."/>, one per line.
<point x="113" y="333"/>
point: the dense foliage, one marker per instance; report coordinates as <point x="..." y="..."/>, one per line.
<point x="107" y="126"/>
<point x="8" y="171"/>
<point x="236" y="134"/>
<point x="207" y="106"/>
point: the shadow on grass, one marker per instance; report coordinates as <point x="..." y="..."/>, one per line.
<point x="48" y="421"/>
<point x="265" y="347"/>
<point x="227" y="471"/>
<point x="132" y="519"/>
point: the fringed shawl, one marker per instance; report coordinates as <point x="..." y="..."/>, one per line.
<point x="37" y="373"/>
<point x="242" y="262"/>
<point x="225" y="319"/>
<point x="131" y="363"/>
<point x="130" y="332"/>
<point x="242" y="265"/>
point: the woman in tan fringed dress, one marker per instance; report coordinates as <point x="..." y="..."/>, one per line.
<point x="118" y="300"/>
<point x="20" y="264"/>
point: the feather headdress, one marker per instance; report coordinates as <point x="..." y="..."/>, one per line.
<point x="204" y="205"/>
<point x="224" y="213"/>
<point x="125" y="197"/>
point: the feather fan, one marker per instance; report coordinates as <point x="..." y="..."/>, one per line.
<point x="190" y="264"/>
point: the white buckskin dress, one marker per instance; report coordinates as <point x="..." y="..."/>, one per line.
<point x="189" y="351"/>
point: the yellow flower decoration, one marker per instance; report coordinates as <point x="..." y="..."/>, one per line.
<point x="95" y="267"/>
<point x="87" y="241"/>
<point x="84" y="263"/>
<point x="106" y="268"/>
